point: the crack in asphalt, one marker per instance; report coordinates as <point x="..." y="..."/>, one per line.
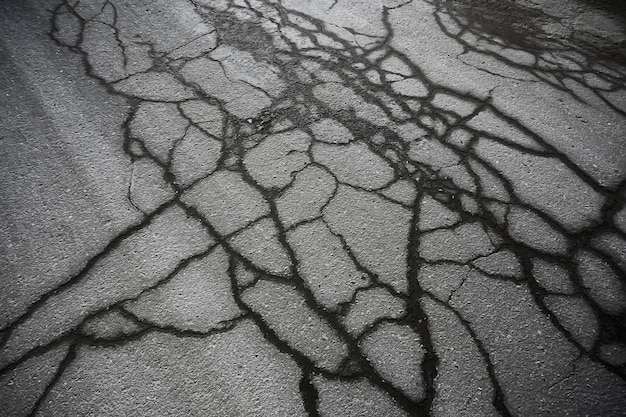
<point x="267" y="130"/>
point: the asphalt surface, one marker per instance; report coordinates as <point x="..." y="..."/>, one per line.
<point x="333" y="208"/>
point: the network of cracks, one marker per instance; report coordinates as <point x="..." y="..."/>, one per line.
<point x="357" y="239"/>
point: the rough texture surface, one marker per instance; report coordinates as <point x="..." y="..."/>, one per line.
<point x="322" y="208"/>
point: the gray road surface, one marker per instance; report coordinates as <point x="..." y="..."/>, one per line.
<point x="298" y="207"/>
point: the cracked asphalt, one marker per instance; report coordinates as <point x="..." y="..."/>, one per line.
<point x="329" y="208"/>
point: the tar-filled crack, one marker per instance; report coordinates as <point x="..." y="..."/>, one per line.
<point x="398" y="123"/>
<point x="563" y="63"/>
<point x="417" y="318"/>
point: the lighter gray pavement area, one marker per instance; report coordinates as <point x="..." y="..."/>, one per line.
<point x="322" y="208"/>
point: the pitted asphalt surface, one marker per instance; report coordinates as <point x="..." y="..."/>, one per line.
<point x="335" y="208"/>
